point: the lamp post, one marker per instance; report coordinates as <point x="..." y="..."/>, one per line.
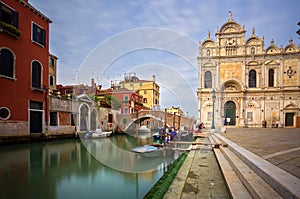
<point x="213" y="95"/>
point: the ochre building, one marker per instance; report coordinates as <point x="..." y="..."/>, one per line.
<point x="149" y="89"/>
<point x="252" y="82"/>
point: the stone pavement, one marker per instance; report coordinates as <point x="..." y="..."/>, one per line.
<point x="280" y="146"/>
<point x="200" y="176"/>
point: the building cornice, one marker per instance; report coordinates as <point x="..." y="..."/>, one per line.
<point x="34" y="10"/>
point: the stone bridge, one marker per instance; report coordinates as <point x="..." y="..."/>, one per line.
<point x="154" y="119"/>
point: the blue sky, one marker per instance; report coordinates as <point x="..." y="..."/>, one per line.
<point x="103" y="39"/>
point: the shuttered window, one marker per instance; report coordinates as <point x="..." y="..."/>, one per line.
<point x="38" y="34"/>
<point x="36" y="75"/>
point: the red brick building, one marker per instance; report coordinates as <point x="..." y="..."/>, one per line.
<point x="131" y="101"/>
<point x="24" y="69"/>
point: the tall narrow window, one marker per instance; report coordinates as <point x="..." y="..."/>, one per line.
<point x="126" y="99"/>
<point x="271" y="77"/>
<point x="6" y="63"/>
<point x="36" y="76"/>
<point x="52" y="62"/>
<point x="38" y="34"/>
<point x="207" y="79"/>
<point x="51" y="81"/>
<point x="252" y="79"/>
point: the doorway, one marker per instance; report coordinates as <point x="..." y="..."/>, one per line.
<point x="35" y="117"/>
<point x="289" y="119"/>
<point x="36" y="122"/>
<point x="230" y="112"/>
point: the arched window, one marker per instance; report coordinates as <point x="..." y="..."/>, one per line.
<point x="207" y="79"/>
<point x="36" y="75"/>
<point x="6" y="63"/>
<point x="271" y="78"/>
<point x="252" y="50"/>
<point x="252" y="79"/>
<point x="51" y="80"/>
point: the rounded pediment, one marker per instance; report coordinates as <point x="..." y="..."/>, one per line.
<point x="208" y="43"/>
<point x="253" y="41"/>
<point x="252" y="63"/>
<point x="291" y="106"/>
<point x="232" y="86"/>
<point x="291" y="47"/>
<point x="231" y="26"/>
<point x="272" y="49"/>
<point x="209" y="64"/>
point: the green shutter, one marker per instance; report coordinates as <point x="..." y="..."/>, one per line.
<point x="34" y="32"/>
<point x="43" y="38"/>
<point x="15" y="19"/>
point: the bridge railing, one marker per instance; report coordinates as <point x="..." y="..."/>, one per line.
<point x="171" y="120"/>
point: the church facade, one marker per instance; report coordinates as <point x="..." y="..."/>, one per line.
<point x="251" y="82"/>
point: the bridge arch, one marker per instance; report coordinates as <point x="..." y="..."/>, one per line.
<point x="143" y="118"/>
<point x="127" y="121"/>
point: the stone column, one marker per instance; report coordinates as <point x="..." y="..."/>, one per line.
<point x="244" y="81"/>
<point x="281" y="112"/>
<point x="281" y="73"/>
<point x="241" y="113"/>
<point x="217" y="71"/>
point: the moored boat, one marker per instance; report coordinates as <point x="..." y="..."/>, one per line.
<point x="148" y="151"/>
<point x="98" y="134"/>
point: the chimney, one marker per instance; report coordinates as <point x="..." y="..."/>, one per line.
<point x="153" y="78"/>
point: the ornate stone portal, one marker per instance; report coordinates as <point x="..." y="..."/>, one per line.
<point x="252" y="84"/>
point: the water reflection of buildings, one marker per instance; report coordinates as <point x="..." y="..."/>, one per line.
<point x="117" y="158"/>
<point x="38" y="169"/>
<point x="30" y="168"/>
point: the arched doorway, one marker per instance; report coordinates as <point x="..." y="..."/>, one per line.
<point x="84" y="114"/>
<point x="230" y="112"/>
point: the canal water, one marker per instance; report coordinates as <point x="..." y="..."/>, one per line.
<point x="80" y="168"/>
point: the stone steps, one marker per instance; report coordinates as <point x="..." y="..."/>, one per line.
<point x="252" y="174"/>
<point x="235" y="186"/>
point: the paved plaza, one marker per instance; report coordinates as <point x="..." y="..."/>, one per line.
<point x="280" y="146"/>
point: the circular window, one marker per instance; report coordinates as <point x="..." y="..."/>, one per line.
<point x="4" y="113"/>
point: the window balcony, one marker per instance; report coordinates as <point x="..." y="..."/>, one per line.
<point x="10" y="29"/>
